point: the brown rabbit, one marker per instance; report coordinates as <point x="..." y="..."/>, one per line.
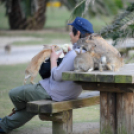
<point x="114" y="62"/>
<point x="34" y="66"/>
<point x="106" y="59"/>
<point x="83" y="62"/>
<point x="100" y="43"/>
<point x="100" y="60"/>
<point x="102" y="49"/>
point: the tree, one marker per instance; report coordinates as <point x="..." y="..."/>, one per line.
<point x="26" y="14"/>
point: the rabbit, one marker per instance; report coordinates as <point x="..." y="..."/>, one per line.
<point x="102" y="49"/>
<point x="101" y="44"/>
<point x="34" y="66"/>
<point x="7" y="48"/>
<point x="83" y="62"/>
<point x="114" y="62"/>
<point x="100" y="60"/>
<point x="106" y="60"/>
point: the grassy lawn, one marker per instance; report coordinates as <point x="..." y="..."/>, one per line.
<point x="12" y="76"/>
<point x="45" y="38"/>
<point x="3" y="18"/>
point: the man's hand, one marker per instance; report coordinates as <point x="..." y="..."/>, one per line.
<point x="54" y="57"/>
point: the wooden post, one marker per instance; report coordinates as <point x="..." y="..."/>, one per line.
<point x="63" y="127"/>
<point x="107" y="111"/>
<point x="117" y="113"/>
<point x="61" y="122"/>
<point x="125" y="113"/>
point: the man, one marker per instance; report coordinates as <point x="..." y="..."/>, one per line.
<point x="50" y="88"/>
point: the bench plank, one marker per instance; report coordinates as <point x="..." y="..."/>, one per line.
<point x="47" y="106"/>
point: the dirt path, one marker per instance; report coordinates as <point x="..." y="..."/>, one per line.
<point x="23" y="54"/>
<point x="18" y="54"/>
<point x="78" y="128"/>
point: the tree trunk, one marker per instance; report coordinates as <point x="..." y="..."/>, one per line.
<point x="34" y="22"/>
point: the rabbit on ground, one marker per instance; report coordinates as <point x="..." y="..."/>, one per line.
<point x="34" y="66"/>
<point x="7" y="48"/>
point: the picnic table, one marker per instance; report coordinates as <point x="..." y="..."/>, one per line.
<point x="116" y="97"/>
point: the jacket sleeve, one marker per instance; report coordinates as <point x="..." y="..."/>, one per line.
<point x="67" y="64"/>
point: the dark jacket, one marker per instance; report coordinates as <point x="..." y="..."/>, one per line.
<point x="45" y="70"/>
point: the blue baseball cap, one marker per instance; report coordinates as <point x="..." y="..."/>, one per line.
<point x="82" y="25"/>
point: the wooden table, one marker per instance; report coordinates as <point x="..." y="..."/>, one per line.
<point x="116" y="97"/>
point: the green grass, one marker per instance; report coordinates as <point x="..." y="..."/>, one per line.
<point x="3" y="18"/>
<point x="12" y="76"/>
<point x="44" y="37"/>
<point x="57" y="17"/>
<point x="47" y="39"/>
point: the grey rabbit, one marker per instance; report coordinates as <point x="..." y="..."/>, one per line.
<point x="83" y="62"/>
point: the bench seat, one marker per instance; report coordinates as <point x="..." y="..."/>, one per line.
<point x="60" y="113"/>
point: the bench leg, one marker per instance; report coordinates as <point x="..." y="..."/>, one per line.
<point x="63" y="127"/>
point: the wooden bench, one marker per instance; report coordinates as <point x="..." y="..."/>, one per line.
<point x="60" y="113"/>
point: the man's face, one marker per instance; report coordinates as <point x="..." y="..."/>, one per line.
<point x="74" y="38"/>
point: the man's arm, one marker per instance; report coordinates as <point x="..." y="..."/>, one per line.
<point x="54" y="58"/>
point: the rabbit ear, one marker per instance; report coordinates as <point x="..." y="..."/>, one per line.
<point x="81" y="49"/>
<point x="76" y="52"/>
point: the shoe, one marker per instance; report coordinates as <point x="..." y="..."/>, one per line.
<point x="1" y="130"/>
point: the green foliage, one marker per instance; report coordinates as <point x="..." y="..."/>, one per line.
<point x="122" y="27"/>
<point x="79" y="9"/>
<point x="119" y="3"/>
<point x="97" y="7"/>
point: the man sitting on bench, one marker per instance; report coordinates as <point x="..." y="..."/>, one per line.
<point x="52" y="87"/>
